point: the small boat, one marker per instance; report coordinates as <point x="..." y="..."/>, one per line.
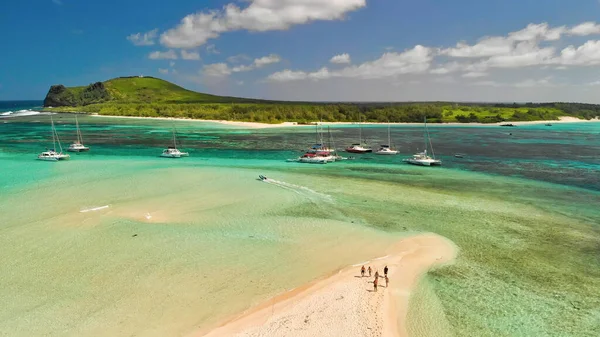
<point x="78" y="146"/>
<point x="387" y="149"/>
<point x="508" y="125"/>
<point x="360" y="147"/>
<point x="320" y="153"/>
<point x="459" y="155"/>
<point x="421" y="158"/>
<point x="548" y="124"/>
<point x="313" y="158"/>
<point x="172" y="151"/>
<point x="52" y="154"/>
<point x="263" y="178"/>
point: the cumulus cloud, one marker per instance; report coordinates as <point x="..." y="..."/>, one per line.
<point x="192" y="55"/>
<point x="587" y="54"/>
<point x="341" y="59"/>
<point x="260" y="15"/>
<point x="474" y="74"/>
<point x="216" y="70"/>
<point x="412" y="61"/>
<point x="166" y="55"/>
<point x="225" y="70"/>
<point x="584" y="29"/>
<point x="143" y="39"/>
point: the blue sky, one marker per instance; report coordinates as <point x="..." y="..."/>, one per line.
<point x="396" y="50"/>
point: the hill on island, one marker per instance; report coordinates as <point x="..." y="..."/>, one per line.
<point x="154" y="97"/>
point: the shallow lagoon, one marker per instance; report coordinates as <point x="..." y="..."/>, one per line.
<point x="184" y="244"/>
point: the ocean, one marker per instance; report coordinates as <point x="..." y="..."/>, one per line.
<point x="19" y="108"/>
<point x="119" y="241"/>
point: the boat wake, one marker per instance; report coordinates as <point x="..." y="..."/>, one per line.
<point x="94" y="209"/>
<point x="301" y="190"/>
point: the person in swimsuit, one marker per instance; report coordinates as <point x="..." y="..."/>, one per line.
<point x="385" y="270"/>
<point x="369" y="271"/>
<point x="376" y="274"/>
<point x="362" y="271"/>
<point x="375" y="285"/>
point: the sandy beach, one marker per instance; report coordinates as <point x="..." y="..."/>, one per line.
<point x="345" y="304"/>
<point x="254" y="125"/>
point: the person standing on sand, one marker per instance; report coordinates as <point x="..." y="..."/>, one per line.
<point x="369" y="271"/>
<point x="376" y="274"/>
<point x="385" y="270"/>
<point x="387" y="281"/>
<point x="375" y="284"/>
<point x="362" y="271"/>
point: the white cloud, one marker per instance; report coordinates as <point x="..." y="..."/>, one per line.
<point x="341" y="59"/>
<point x="143" y="39"/>
<point x="447" y="68"/>
<point x="217" y="70"/>
<point x="192" y="55"/>
<point x="487" y="47"/>
<point x="595" y="83"/>
<point x="260" y="15"/>
<point x="212" y="49"/>
<point x="584" y="29"/>
<point x="258" y="63"/>
<point x="537" y="32"/>
<point x="525" y="54"/>
<point x="238" y="58"/>
<point x="544" y="82"/>
<point x="163" y="71"/>
<point x="287" y="75"/>
<point x="265" y="60"/>
<point x="412" y="61"/>
<point x="474" y="74"/>
<point x="166" y="55"/>
<point x="587" y="54"/>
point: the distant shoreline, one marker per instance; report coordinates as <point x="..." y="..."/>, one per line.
<point x="257" y="125"/>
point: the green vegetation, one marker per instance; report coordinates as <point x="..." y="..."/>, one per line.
<point x="152" y="97"/>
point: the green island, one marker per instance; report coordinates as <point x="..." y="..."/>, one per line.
<point x="153" y="97"/>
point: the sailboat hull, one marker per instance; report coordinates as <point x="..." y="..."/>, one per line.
<point x="79" y="150"/>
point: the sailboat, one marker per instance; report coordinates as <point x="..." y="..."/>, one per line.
<point x="320" y="153"/>
<point x="78" y="146"/>
<point x="387" y="149"/>
<point x="359" y="147"/>
<point x="172" y="151"/>
<point x="51" y="154"/>
<point x="421" y="158"/>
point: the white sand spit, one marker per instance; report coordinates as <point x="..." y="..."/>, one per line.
<point x="345" y="304"/>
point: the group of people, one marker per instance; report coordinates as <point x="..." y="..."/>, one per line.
<point x="376" y="280"/>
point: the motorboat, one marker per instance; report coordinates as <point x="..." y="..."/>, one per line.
<point x="78" y="146"/>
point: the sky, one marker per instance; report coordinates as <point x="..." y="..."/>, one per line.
<point x="317" y="50"/>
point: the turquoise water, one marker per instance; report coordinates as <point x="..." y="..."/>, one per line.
<point x="186" y="243"/>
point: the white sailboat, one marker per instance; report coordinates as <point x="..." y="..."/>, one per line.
<point x="172" y="151"/>
<point x="78" y="146"/>
<point x="421" y="158"/>
<point x="51" y="154"/>
<point x="387" y="149"/>
<point x="361" y="146"/>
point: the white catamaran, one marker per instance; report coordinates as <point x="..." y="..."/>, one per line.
<point x="387" y="149"/>
<point x="51" y="154"/>
<point x="78" y="146"/>
<point x="172" y="151"/>
<point x="421" y="158"/>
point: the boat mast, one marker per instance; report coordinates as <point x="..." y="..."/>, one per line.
<point x="331" y="143"/>
<point x="79" y="137"/>
<point x="57" y="138"/>
<point x="428" y="139"/>
<point x="389" y="136"/>
<point x="360" y="139"/>
<point x="174" y="138"/>
<point x="53" y="134"/>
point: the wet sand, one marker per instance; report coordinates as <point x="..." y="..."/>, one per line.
<point x="345" y="304"/>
